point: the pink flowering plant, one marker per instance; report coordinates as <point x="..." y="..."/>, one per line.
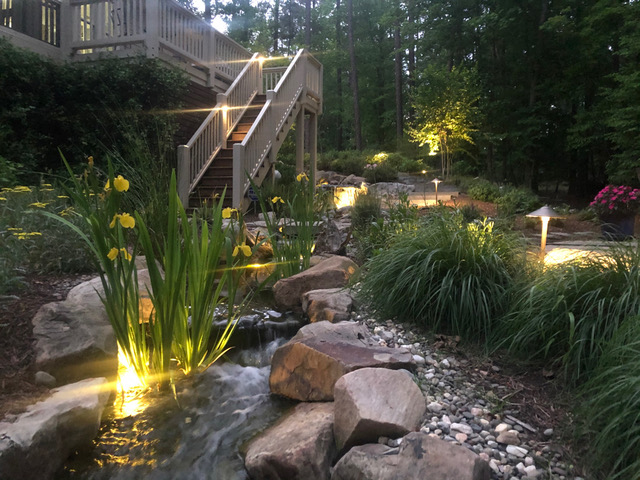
<point x="616" y="201"/>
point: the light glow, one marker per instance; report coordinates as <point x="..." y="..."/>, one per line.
<point x="346" y="196"/>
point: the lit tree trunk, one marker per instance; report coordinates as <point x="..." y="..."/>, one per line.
<point x="354" y="77"/>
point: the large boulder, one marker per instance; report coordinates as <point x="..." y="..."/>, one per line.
<point x="330" y="304"/>
<point x="299" y="446"/>
<point x="307" y="367"/>
<point x="419" y="456"/>
<point x="330" y="273"/>
<point x="38" y="442"/>
<point x="375" y="402"/>
<point x="74" y="339"/>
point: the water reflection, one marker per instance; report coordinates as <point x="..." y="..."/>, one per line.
<point x="219" y="410"/>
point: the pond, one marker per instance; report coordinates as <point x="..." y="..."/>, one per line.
<point x="198" y="437"/>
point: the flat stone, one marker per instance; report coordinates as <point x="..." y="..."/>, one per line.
<point x="307" y="367"/>
<point x="38" y="442"/>
<point x="329" y="273"/>
<point x="331" y="304"/>
<point x="419" y="456"/>
<point x="509" y="437"/>
<point x="299" y="446"/>
<point x="375" y="402"/>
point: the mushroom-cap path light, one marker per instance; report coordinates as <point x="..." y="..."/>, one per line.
<point x="545" y="214"/>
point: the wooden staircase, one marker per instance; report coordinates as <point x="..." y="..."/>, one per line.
<point x="219" y="175"/>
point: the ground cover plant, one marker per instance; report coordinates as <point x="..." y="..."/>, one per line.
<point x="34" y="243"/>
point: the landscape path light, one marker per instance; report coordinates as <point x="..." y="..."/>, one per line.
<point x="436" y="181"/>
<point x="545" y="214"/>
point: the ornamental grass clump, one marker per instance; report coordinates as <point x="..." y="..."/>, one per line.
<point x="609" y="413"/>
<point x="448" y="276"/>
<point x="616" y="201"/>
<point x="571" y="310"/>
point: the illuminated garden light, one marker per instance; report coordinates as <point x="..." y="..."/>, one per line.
<point x="545" y="214"/>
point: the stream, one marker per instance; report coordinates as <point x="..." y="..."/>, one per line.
<point x="201" y="438"/>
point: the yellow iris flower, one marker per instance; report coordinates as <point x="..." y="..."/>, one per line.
<point x="120" y="183"/>
<point x="38" y="204"/>
<point x="126" y="220"/>
<point x="226" y="213"/>
<point x="90" y="161"/>
<point x="3" y="199"/>
<point x="302" y="176"/>
<point x="244" y="248"/>
<point x="114" y="252"/>
<point x="277" y="199"/>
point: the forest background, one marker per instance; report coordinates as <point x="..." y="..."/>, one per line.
<point x="539" y="93"/>
<point x="519" y="91"/>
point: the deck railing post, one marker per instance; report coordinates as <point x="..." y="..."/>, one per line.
<point x="184" y="174"/>
<point x="238" y="175"/>
<point x="152" y="40"/>
<point x="224" y="118"/>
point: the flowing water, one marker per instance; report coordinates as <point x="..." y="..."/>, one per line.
<point x="218" y="411"/>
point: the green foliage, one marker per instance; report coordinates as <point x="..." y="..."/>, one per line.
<point x="373" y="236"/>
<point x="185" y="288"/>
<point x="607" y="415"/>
<point x="291" y="225"/>
<point x="483" y="190"/>
<point x="513" y="200"/>
<point x="81" y="108"/>
<point x="345" y="162"/>
<point x="34" y="243"/>
<point x="570" y="311"/>
<point x="380" y="172"/>
<point x="447" y="276"/>
<point x="447" y="112"/>
<point x="366" y="209"/>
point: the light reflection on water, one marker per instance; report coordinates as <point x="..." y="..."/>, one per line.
<point x="220" y="410"/>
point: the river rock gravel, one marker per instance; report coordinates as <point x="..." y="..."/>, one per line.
<point x="472" y="413"/>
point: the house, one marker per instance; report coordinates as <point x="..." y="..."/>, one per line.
<point x="251" y="108"/>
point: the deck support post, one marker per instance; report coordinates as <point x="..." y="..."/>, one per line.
<point x="300" y="141"/>
<point x="183" y="174"/>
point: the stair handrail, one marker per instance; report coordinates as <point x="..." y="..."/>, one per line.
<point x="250" y="155"/>
<point x="195" y="157"/>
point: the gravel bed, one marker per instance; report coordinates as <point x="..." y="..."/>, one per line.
<point x="462" y="411"/>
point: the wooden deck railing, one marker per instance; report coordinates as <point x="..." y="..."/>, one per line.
<point x="302" y="77"/>
<point x="156" y="28"/>
<point x="195" y="157"/>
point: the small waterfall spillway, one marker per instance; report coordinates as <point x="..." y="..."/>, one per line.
<point x="199" y="436"/>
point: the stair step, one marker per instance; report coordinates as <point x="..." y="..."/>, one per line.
<point x="243" y="127"/>
<point x="238" y="136"/>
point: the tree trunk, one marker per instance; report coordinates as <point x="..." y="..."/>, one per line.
<point x="354" y="77"/>
<point x="339" y="126"/>
<point x="397" y="45"/>
<point x="276" y="26"/>
<point x="307" y="24"/>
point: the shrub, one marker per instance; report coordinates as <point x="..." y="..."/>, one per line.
<point x="516" y="200"/>
<point x="609" y="413"/>
<point x="79" y="107"/>
<point x="447" y="275"/>
<point x="366" y="209"/>
<point x="571" y="310"/>
<point x="483" y="190"/>
<point x="380" y="231"/>
<point x="380" y="172"/>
